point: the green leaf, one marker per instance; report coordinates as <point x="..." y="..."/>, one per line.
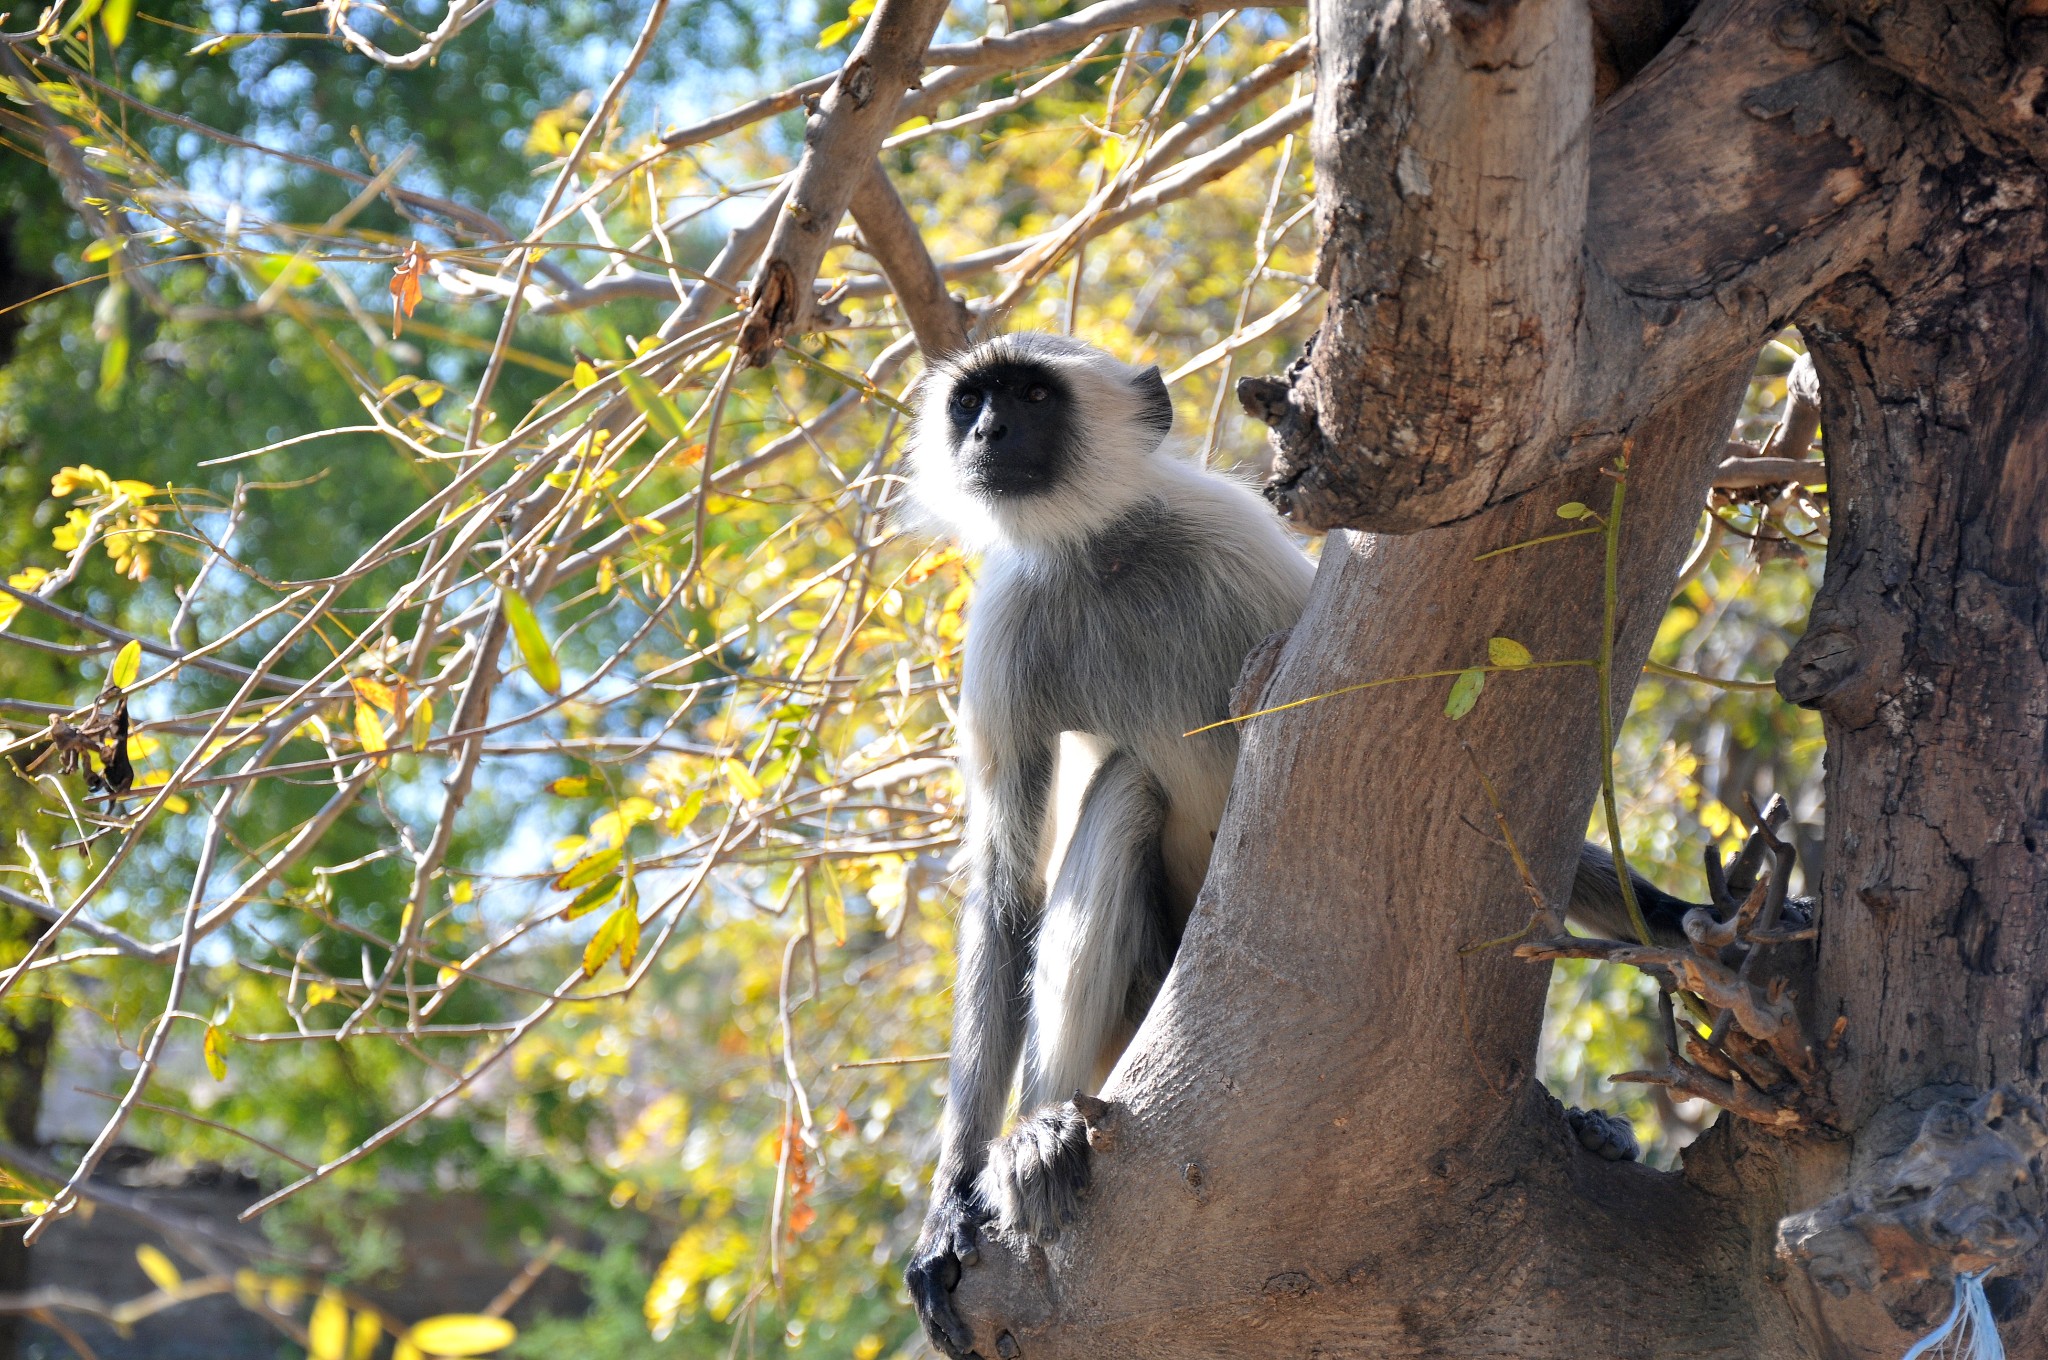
<point x="593" y="897"/>
<point x="221" y="43"/>
<point x="662" y="416"/>
<point x="114" y="18"/>
<point x="79" y="18"/>
<point x="114" y="363"/>
<point x="127" y="662"/>
<point x="1507" y="652"/>
<point x="1464" y="693"/>
<point x="1572" y="510"/>
<point x="588" y="870"/>
<point x="533" y="643"/>
<point x="620" y="935"/>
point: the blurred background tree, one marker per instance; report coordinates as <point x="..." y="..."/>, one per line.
<point x="551" y="688"/>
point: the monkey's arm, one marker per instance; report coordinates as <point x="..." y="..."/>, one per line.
<point x="1596" y="903"/>
<point x="1010" y="778"/>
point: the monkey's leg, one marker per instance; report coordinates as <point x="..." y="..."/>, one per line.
<point x="1099" y="942"/>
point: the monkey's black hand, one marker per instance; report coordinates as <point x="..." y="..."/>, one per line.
<point x="1610" y="1135"/>
<point x="948" y="1242"/>
<point x="1037" y="1173"/>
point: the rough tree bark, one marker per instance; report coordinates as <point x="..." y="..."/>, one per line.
<point x="1550" y="240"/>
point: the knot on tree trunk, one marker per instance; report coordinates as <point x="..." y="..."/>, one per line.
<point x="1298" y="486"/>
<point x="1963" y="1197"/>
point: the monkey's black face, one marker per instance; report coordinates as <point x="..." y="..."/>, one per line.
<point x="1012" y="427"/>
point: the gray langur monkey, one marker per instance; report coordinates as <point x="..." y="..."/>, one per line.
<point x="1120" y="588"/>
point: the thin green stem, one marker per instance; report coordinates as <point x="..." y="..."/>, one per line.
<point x="1606" y="675"/>
<point x="1375" y="684"/>
<point x="1547" y="538"/>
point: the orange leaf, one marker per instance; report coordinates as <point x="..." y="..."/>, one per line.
<point x="405" y="285"/>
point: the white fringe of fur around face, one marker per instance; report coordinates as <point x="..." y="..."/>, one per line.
<point x="1117" y="471"/>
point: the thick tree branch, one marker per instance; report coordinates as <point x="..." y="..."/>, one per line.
<point x="891" y="236"/>
<point x="1753" y="161"/>
<point x="840" y="142"/>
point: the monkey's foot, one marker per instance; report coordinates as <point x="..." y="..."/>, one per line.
<point x="949" y="1241"/>
<point x="1037" y="1173"/>
<point x="1609" y="1135"/>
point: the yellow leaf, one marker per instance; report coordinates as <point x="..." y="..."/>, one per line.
<point x="742" y="778"/>
<point x="620" y="934"/>
<point x="570" y="786"/>
<point x="833" y="900"/>
<point x="27" y="579"/>
<point x="605" y="577"/>
<point x="427" y="393"/>
<point x="318" y="992"/>
<point x="84" y="477"/>
<point x="216" y="1053"/>
<point x="369" y="728"/>
<point x="363" y="1336"/>
<point x="463" y="891"/>
<point x="327" y="1330"/>
<point x="1507" y="652"/>
<point x="582" y="375"/>
<point x="461" y="1334"/>
<point x="115" y="17"/>
<point x="158" y="1267"/>
<point x="533" y="643"/>
<point x="375" y="692"/>
<point x="405" y="1350"/>
<point x="127" y="662"/>
<point x="422" y="723"/>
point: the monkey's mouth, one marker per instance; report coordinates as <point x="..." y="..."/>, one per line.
<point x="997" y="474"/>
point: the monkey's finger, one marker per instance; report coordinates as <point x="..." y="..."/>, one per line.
<point x="966" y="1242"/>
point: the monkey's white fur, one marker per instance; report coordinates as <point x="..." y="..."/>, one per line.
<point x="1110" y="614"/>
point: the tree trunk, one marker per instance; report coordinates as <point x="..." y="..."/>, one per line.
<point x="1328" y="1138"/>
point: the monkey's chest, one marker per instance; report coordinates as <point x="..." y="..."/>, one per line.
<point x="1121" y="651"/>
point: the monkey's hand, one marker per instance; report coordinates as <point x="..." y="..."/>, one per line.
<point x="1037" y="1173"/>
<point x="1608" y="1135"/>
<point x="949" y="1241"/>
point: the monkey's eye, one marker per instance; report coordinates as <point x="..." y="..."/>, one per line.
<point x="1036" y="392"/>
<point x="966" y="399"/>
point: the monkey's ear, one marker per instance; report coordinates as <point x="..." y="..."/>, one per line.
<point x="1155" y="408"/>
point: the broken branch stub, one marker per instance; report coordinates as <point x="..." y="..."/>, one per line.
<point x="840" y="141"/>
<point x="1963" y="1197"/>
<point x="1755" y="1059"/>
